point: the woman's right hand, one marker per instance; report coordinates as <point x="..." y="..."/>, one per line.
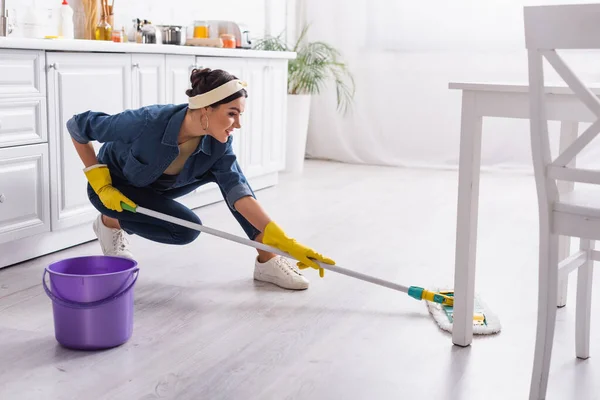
<point x="276" y="237"/>
<point x="99" y="177"/>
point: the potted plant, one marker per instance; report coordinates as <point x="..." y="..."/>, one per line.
<point x="315" y="64"/>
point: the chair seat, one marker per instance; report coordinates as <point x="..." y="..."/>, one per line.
<point x="581" y="201"/>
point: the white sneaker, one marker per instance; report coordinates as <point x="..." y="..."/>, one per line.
<point x="281" y="272"/>
<point x="112" y="241"/>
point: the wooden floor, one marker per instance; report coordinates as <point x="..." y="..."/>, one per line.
<point x="205" y="330"/>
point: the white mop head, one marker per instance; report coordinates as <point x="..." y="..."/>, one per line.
<point x="439" y="314"/>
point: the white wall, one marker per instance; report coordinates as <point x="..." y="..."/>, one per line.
<point x="403" y="54"/>
<point x="180" y="12"/>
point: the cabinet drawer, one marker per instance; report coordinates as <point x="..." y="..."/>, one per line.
<point x="22" y="121"/>
<point x="22" y="73"/>
<point x="24" y="192"/>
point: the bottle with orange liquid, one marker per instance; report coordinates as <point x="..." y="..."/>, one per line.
<point x="201" y="29"/>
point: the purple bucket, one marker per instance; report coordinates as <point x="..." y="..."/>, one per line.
<point x="92" y="300"/>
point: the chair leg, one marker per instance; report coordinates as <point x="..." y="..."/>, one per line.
<point x="564" y="250"/>
<point x="547" y="298"/>
<point x="584" y="302"/>
<point x="568" y="134"/>
<point x="563" y="288"/>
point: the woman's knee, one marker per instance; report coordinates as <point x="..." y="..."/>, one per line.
<point x="183" y="235"/>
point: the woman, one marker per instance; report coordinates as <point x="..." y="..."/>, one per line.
<point x="155" y="154"/>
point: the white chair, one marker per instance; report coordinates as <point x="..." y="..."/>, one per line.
<point x="573" y="214"/>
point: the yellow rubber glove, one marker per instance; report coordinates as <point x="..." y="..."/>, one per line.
<point x="274" y="236"/>
<point x="101" y="182"/>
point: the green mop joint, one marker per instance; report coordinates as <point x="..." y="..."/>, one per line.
<point x="416" y="292"/>
<point x="127" y="207"/>
<point x="421" y="294"/>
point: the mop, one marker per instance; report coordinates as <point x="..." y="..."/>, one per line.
<point x="485" y="322"/>
<point x="444" y="300"/>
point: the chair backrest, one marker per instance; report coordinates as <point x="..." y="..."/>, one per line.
<point x="562" y="27"/>
<point x="547" y="29"/>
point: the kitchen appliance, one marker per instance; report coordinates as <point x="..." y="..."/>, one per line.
<point x="173" y="34"/>
<point x="242" y="36"/>
<point x="239" y="31"/>
<point x="151" y="34"/>
<point x="145" y="32"/>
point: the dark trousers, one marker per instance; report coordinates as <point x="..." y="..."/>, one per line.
<point x="163" y="202"/>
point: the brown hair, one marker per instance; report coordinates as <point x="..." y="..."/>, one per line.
<point x="205" y="80"/>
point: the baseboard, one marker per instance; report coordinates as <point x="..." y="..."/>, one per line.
<point x="45" y="243"/>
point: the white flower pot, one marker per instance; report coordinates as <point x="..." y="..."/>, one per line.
<point x="298" y="111"/>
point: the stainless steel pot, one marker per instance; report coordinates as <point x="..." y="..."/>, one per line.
<point x="173" y="34"/>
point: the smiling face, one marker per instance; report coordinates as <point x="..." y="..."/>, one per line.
<point x="223" y="119"/>
<point x="219" y="119"/>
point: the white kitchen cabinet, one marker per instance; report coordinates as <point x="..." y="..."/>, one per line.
<point x="22" y="121"/>
<point x="22" y="73"/>
<point x="179" y="68"/>
<point x="78" y="83"/>
<point x="255" y="119"/>
<point x="24" y="192"/>
<point x="148" y="78"/>
<point x="275" y="106"/>
<point x="266" y="115"/>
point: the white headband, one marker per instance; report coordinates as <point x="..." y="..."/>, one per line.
<point x="217" y="94"/>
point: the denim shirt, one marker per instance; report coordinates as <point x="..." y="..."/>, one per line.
<point x="140" y="144"/>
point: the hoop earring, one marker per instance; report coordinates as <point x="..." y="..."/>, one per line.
<point x="206" y="122"/>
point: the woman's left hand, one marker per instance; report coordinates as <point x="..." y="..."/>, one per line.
<point x="276" y="237"/>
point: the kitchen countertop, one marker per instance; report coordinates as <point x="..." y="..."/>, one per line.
<point x="90" y="46"/>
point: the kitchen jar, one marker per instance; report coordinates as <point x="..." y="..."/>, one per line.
<point x="228" y="40"/>
<point x="117" y="36"/>
<point x="201" y="29"/>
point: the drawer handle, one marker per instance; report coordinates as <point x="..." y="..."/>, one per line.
<point x="2" y="198"/>
<point x="136" y="65"/>
<point x="53" y="66"/>
<point x="196" y="66"/>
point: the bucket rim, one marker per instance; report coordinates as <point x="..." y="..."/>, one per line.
<point x="134" y="265"/>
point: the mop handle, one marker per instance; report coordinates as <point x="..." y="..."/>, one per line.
<point x="260" y="246"/>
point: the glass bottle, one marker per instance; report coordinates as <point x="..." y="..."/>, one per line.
<point x="228" y="40"/>
<point x="103" y="29"/>
<point x="201" y="29"/>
